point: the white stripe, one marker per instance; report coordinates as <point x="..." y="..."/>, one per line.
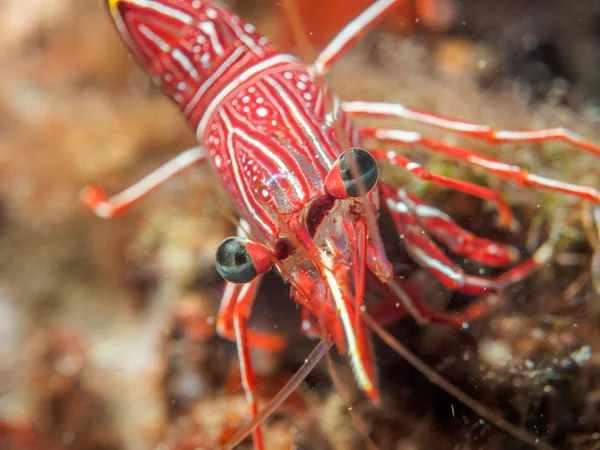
<point x="423" y="211"/>
<point x="553" y="133"/>
<point x="427" y="211"/>
<point x="493" y="165"/>
<point x="487" y="283"/>
<point x="235" y="83"/>
<point x="154" y="179"/>
<point x="265" y="65"/>
<point x="349" y="32"/>
<point x="398" y="110"/>
<point x="243" y="229"/>
<point x="319" y="100"/>
<point x="547" y="182"/>
<point x="533" y="134"/>
<point x="435" y="264"/>
<point x="519" y="135"/>
<point x="247" y="40"/>
<point x="211" y="80"/>
<point x="337" y="103"/>
<point x="408" y="137"/>
<point x="163" y="9"/>
<point x="154" y="38"/>
<point x="185" y="63"/>
<point x="118" y="19"/>
<point x="399" y="207"/>
<point x="209" y="28"/>
<point x="357" y="365"/>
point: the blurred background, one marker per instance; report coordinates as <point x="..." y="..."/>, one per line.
<point x="106" y="327"/>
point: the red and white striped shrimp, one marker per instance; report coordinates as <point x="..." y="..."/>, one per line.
<point x="289" y="155"/>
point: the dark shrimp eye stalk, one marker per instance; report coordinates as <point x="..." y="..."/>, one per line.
<point x="241" y="261"/>
<point x="263" y="125"/>
<point x="340" y="182"/>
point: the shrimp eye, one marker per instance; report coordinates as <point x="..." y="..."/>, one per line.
<point x="241" y="261"/>
<point x="340" y="181"/>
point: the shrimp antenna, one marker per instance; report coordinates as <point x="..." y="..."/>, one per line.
<point x="298" y="31"/>
<point x="316" y="355"/>
<point x="437" y="379"/>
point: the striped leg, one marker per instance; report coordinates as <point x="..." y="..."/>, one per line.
<point x="232" y="323"/>
<point x="389" y="311"/>
<point x="427" y="253"/>
<point x="503" y="170"/>
<point x="119" y="204"/>
<point x="363" y="336"/>
<point x="483" y="132"/>
<point x="506" y="217"/>
<point x="443" y="228"/>
<point x="381" y="267"/>
<point x="351" y="33"/>
<point x="225" y="320"/>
